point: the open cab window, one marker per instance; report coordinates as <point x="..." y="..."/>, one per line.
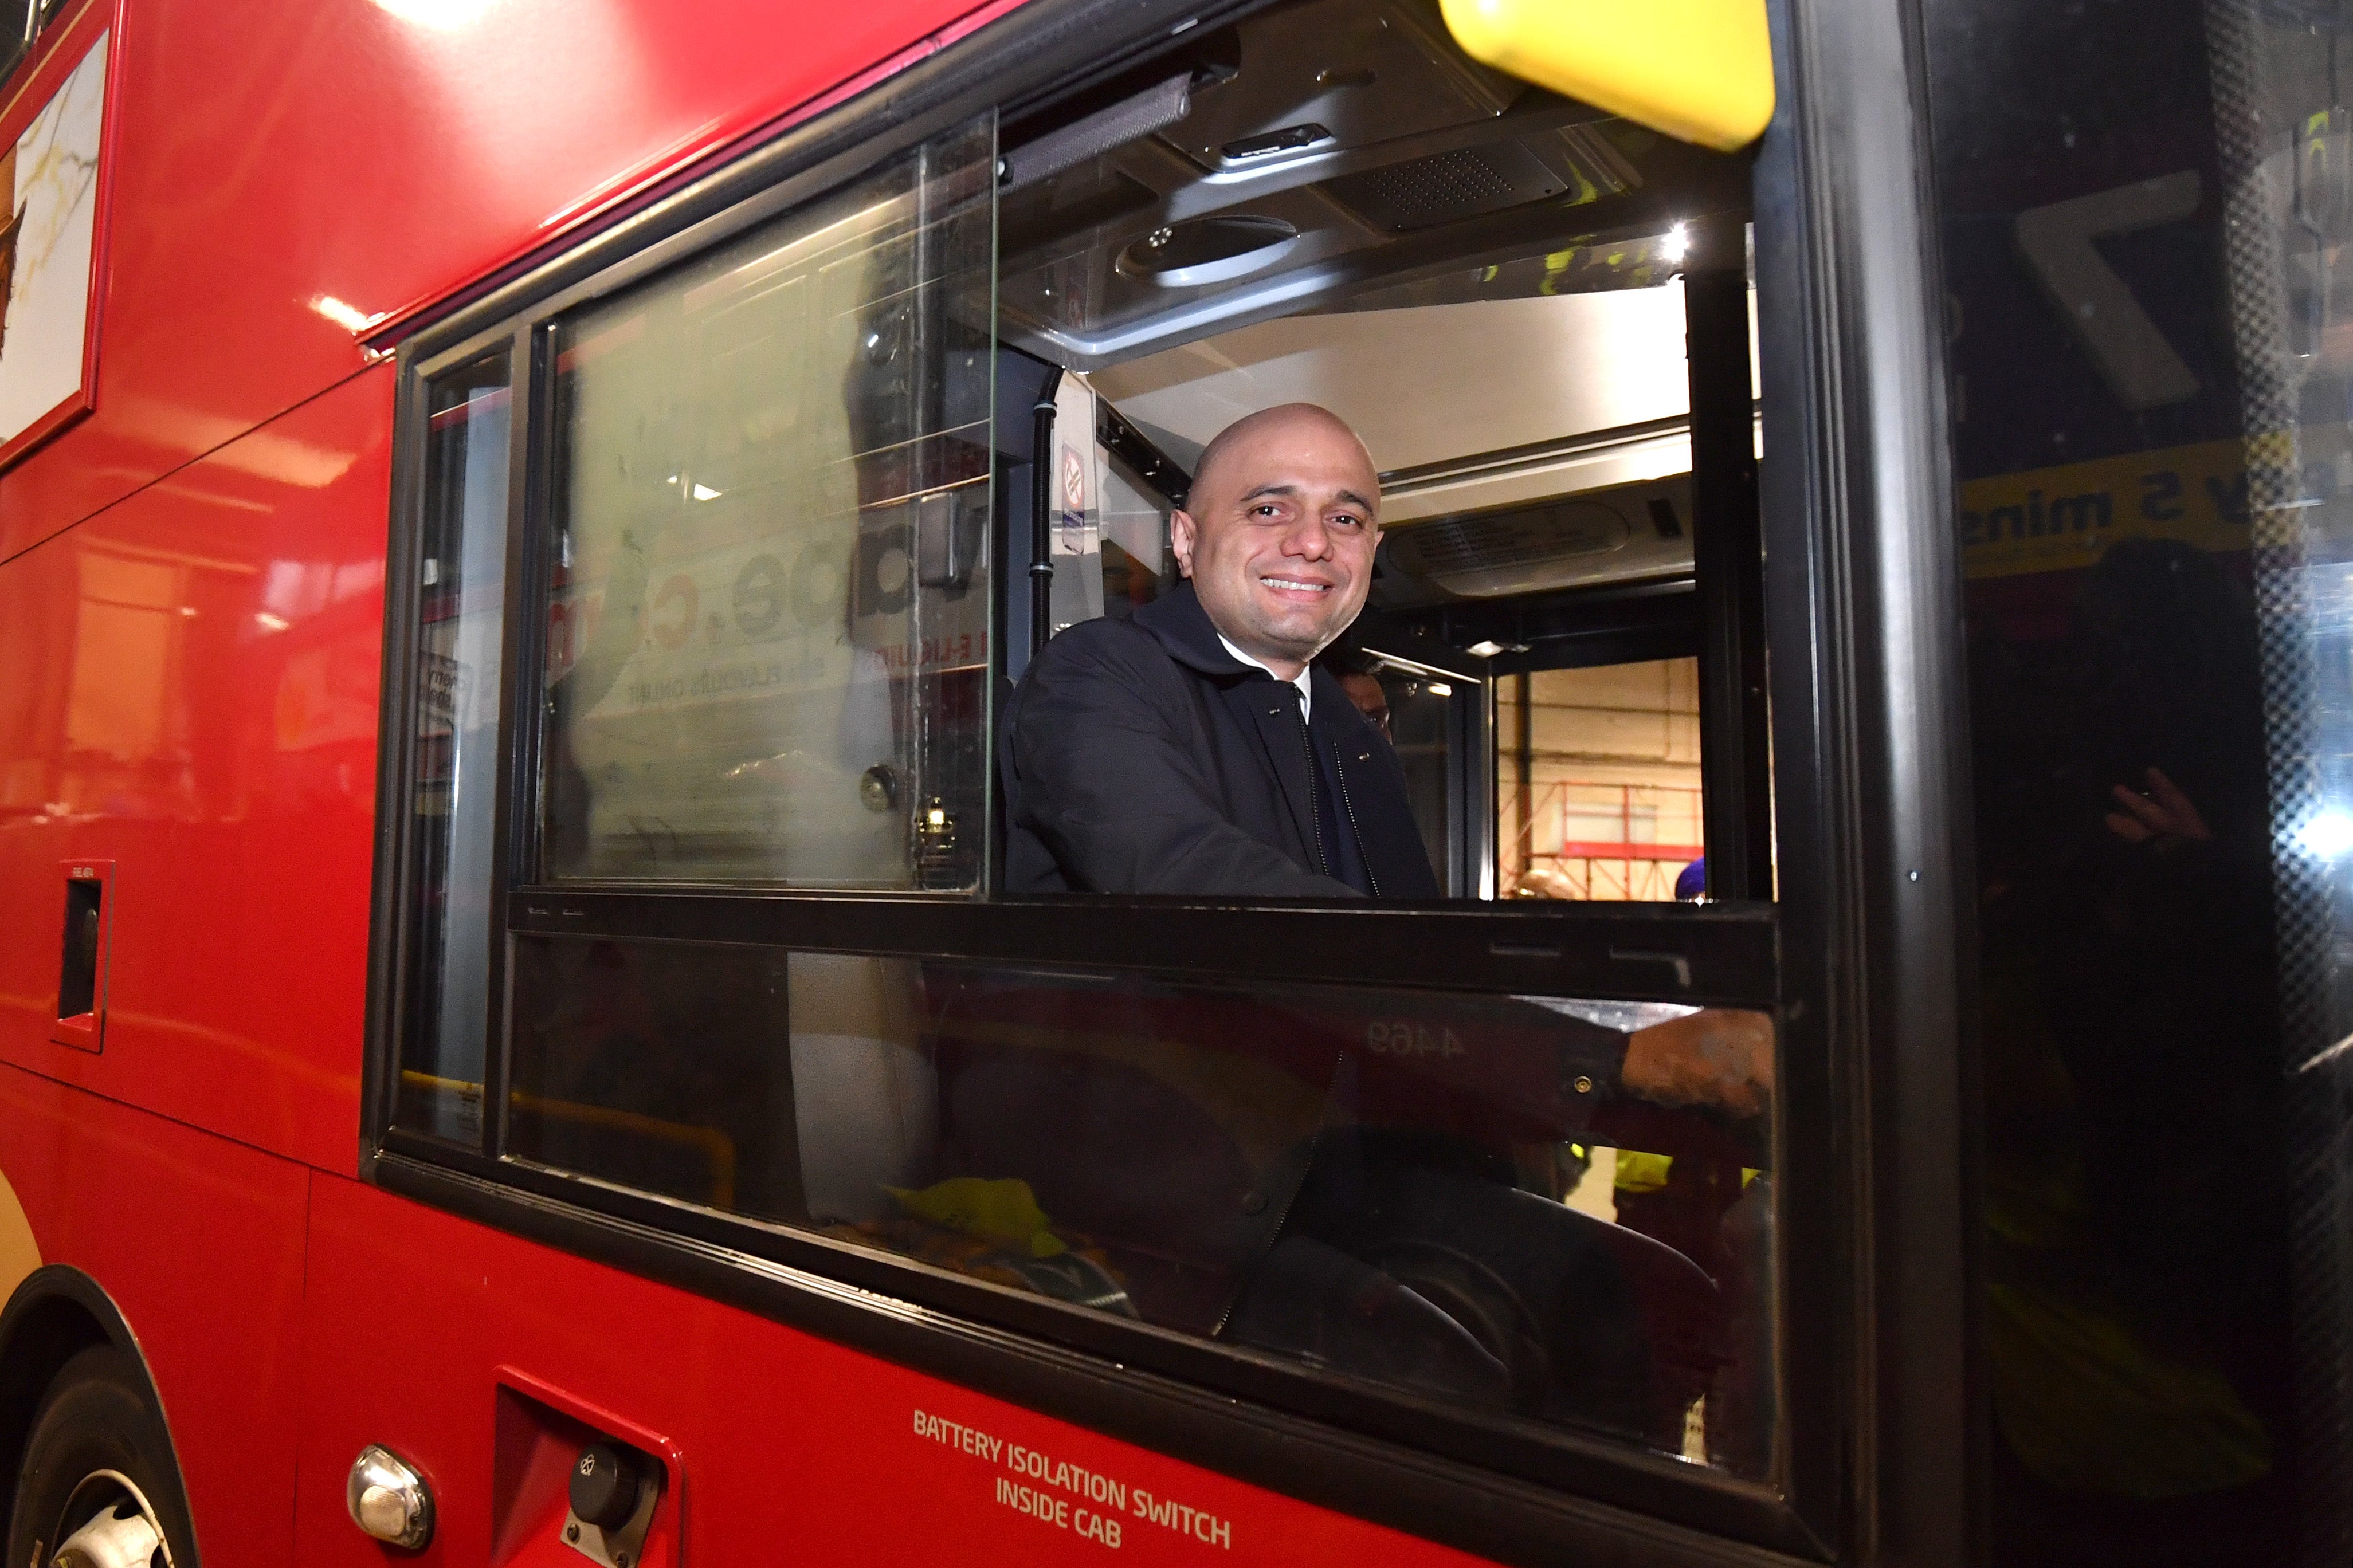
<point x="1332" y="205"/>
<point x="702" y="857"/>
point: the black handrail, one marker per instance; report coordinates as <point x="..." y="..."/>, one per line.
<point x="1041" y="512"/>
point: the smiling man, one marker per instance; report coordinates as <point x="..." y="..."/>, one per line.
<point x="1191" y="747"/>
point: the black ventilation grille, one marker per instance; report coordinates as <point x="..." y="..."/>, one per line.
<point x="1447" y="187"/>
<point x="1508" y="544"/>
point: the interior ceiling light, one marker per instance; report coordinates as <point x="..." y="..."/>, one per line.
<point x="1677" y="245"/>
<point x="1206" y="250"/>
<point x="1487" y="648"/>
<point x="1290" y="138"/>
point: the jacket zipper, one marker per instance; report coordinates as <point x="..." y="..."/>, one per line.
<point x="1347" y="806"/>
<point x="1315" y="796"/>
<point x="1315" y="1141"/>
<point x="1340" y="774"/>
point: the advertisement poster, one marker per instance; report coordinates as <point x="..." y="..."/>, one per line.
<point x="48" y="180"/>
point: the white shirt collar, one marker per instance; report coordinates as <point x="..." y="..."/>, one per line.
<point x="1306" y="692"/>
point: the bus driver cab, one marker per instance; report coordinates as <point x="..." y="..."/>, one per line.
<point x="818" y="493"/>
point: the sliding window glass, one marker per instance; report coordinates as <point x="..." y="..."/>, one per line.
<point x="767" y="603"/>
<point x="462" y="592"/>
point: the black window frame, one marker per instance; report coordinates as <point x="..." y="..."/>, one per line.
<point x="1855" y="960"/>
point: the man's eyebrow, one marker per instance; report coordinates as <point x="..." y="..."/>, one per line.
<point x="1351" y="497"/>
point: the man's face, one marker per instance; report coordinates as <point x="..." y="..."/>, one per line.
<point x="1278" y="535"/>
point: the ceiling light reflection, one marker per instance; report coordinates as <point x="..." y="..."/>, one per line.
<point x="442" y="15"/>
<point x="349" y="317"/>
<point x="2328" y="835"/>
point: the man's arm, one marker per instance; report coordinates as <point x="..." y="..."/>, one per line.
<point x="1721" y="1057"/>
<point x="1105" y="773"/>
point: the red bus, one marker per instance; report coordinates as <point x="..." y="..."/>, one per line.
<point x="518" y="523"/>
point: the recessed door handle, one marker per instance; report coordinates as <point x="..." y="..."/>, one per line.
<point x="82" y="961"/>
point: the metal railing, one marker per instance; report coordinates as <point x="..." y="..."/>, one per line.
<point x="1612" y="870"/>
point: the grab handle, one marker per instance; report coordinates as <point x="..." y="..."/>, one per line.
<point x="82" y="964"/>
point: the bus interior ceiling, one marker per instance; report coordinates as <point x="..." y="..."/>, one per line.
<point x="1328" y="203"/>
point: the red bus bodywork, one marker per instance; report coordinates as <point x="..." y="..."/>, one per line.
<point x="191" y="633"/>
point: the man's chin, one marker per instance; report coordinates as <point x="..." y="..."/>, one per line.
<point x="1291" y="643"/>
<point x="1299" y="625"/>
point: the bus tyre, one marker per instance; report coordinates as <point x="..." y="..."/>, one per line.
<point x="99" y="1487"/>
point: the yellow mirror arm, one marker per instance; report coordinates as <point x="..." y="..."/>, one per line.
<point x="1701" y="70"/>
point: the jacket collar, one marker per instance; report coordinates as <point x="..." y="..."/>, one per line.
<point x="1184" y="628"/>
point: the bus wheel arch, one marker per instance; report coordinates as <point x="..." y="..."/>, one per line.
<point x="58" y="1321"/>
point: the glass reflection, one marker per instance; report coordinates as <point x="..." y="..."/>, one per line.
<point x="2143" y="235"/>
<point x="461" y="611"/>
<point x="768" y="630"/>
<point x="1532" y="1208"/>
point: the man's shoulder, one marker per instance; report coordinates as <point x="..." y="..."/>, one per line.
<point x="1103" y="644"/>
<point x="1095" y="671"/>
<point x="1095" y="665"/>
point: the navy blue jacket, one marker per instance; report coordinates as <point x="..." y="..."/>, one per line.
<point x="1141" y="757"/>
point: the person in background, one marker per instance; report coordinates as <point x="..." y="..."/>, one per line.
<point x="1360" y="677"/>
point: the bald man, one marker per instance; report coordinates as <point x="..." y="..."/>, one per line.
<point x="1192" y="748"/>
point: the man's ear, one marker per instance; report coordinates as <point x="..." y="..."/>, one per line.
<point x="1180" y="540"/>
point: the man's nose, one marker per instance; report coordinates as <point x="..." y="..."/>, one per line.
<point x="1309" y="540"/>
